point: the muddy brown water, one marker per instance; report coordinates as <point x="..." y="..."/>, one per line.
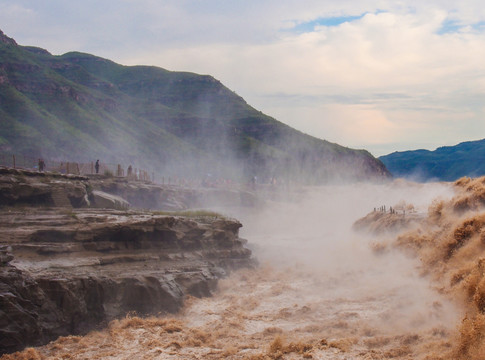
<point x="320" y="292"/>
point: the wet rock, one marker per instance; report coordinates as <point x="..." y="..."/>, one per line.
<point x="104" y="200"/>
<point x="5" y="255"/>
<point x="68" y="271"/>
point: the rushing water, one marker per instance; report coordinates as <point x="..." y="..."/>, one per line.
<point x="320" y="292"/>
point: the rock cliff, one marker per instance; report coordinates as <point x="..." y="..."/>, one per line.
<point x="67" y="270"/>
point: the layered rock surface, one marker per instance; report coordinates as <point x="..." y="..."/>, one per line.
<point x="30" y="188"/>
<point x="68" y="270"/>
<point x="25" y="187"/>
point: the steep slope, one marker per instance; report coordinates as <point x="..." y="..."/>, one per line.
<point x="447" y="163"/>
<point x="84" y="107"/>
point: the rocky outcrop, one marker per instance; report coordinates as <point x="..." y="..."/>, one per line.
<point x="146" y="195"/>
<point x="378" y="222"/>
<point x="68" y="271"/>
<point x="108" y="201"/>
<point x="6" y="40"/>
<point x="31" y="188"/>
<point x="69" y="264"/>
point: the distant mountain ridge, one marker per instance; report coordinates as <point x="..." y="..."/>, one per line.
<point x="447" y="163"/>
<point x="83" y="106"/>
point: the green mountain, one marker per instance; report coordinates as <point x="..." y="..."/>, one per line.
<point x="82" y="107"/>
<point x="447" y="163"/>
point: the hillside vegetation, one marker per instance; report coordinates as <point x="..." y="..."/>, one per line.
<point x="83" y="107"/>
<point x="447" y="163"/>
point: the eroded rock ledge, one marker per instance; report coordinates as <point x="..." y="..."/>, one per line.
<point x="66" y="271"/>
<point x="30" y="188"/>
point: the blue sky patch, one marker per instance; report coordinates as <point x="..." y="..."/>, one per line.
<point x="449" y="26"/>
<point x="479" y="26"/>
<point x="452" y="26"/>
<point x="310" y="26"/>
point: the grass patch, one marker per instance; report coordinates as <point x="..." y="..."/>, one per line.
<point x="69" y="213"/>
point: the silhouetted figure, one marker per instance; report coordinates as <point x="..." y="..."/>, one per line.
<point x="96" y="166"/>
<point x="254" y="180"/>
<point x="41" y="165"/>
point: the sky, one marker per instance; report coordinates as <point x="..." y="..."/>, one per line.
<point x="378" y="75"/>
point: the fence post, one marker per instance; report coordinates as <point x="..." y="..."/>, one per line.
<point x="67" y="168"/>
<point x="13" y="156"/>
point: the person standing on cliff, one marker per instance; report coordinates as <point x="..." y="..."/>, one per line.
<point x="96" y="166"/>
<point x="41" y="164"/>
